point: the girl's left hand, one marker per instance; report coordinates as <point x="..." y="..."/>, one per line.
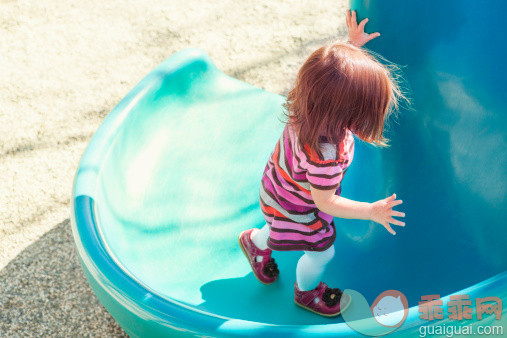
<point x="357" y="36"/>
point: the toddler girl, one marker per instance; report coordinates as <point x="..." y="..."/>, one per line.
<point x="340" y="91"/>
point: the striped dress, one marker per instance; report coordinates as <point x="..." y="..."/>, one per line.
<point x="285" y="198"/>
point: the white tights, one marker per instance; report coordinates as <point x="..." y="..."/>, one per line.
<point x="311" y="265"/>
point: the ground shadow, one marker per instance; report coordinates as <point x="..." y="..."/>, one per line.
<point x="44" y="292"/>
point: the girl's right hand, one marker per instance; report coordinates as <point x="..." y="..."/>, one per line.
<point x="357" y="36"/>
<point x="382" y="212"/>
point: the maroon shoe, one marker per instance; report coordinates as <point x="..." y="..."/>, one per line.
<point x="266" y="271"/>
<point x="322" y="300"/>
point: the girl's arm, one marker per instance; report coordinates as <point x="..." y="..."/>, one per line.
<point x="381" y="211"/>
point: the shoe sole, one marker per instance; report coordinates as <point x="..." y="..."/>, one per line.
<point x="249" y="262"/>
<point x="322" y="314"/>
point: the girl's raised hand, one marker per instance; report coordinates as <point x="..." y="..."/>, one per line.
<point x="357" y="35"/>
<point x="382" y="212"/>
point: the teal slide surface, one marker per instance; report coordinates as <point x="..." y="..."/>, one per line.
<point x="172" y="177"/>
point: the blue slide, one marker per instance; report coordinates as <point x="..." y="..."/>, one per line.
<point x="172" y="177"/>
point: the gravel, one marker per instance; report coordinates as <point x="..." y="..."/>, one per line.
<point x="63" y="66"/>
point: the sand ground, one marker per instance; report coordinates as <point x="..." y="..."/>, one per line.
<point x="63" y="66"/>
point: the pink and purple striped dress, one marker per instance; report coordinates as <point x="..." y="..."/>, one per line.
<point x="285" y="198"/>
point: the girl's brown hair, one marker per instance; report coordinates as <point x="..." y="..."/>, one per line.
<point x="341" y="87"/>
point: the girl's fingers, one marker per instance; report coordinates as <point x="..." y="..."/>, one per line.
<point x="394" y="203"/>
<point x="388" y="228"/>
<point x="396" y="222"/>
<point x="347" y="18"/>
<point x="354" y="20"/>
<point x="397" y="213"/>
<point x="362" y="24"/>
<point x="373" y="36"/>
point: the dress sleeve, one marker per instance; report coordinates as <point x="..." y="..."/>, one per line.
<point x="326" y="172"/>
